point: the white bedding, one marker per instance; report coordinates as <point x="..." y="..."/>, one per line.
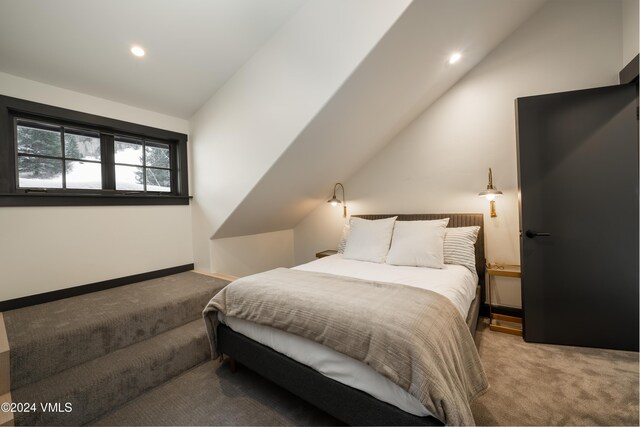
<point x="454" y="282"/>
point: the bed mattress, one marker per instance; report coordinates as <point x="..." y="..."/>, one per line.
<point x="455" y="282"/>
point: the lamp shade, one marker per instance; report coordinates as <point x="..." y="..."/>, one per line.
<point x="490" y="193"/>
<point x="334" y="201"/>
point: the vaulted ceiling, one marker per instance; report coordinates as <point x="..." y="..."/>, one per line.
<point x="401" y="76"/>
<point x="192" y="46"/>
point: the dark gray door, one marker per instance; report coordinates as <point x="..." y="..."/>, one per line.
<point x="578" y="182"/>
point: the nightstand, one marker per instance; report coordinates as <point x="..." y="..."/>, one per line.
<point x="503" y="270"/>
<point x="328" y="252"/>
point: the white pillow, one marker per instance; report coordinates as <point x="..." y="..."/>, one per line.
<point x="369" y="239"/>
<point x="418" y="243"/>
<point x="459" y="246"/>
<point x="345" y="236"/>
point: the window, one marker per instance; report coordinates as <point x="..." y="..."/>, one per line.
<point x="142" y="165"/>
<point x="52" y="156"/>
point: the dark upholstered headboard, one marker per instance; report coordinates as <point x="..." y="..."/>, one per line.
<point x="455" y="220"/>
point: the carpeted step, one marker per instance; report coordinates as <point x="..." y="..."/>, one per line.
<point x="48" y="338"/>
<point x="100" y="385"/>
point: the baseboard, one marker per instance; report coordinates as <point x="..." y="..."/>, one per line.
<point x="500" y="309"/>
<point x="45" y="297"/>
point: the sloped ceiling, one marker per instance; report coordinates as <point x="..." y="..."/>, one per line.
<point x="251" y="120"/>
<point x="193" y="46"/>
<point x="406" y="72"/>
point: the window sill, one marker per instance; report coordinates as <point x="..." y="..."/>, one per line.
<point x="51" y="199"/>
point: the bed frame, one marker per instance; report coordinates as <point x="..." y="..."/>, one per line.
<point x="347" y="404"/>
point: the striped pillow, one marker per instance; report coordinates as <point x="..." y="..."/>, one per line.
<point x="459" y="246"/>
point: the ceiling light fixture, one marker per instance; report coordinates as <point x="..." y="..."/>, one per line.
<point x="455" y="57"/>
<point x="137" y="51"/>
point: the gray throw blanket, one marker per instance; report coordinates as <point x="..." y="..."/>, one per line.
<point x="412" y="336"/>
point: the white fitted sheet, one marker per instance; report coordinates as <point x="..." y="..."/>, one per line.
<point x="455" y="282"/>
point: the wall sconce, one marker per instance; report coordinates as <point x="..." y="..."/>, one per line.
<point x="491" y="193"/>
<point x="335" y="201"/>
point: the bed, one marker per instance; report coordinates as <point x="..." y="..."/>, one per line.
<point x="343" y="387"/>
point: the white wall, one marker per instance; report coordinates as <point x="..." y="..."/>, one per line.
<point x="256" y="115"/>
<point x="241" y="256"/>
<point x="630" y="35"/>
<point x="48" y="248"/>
<point x="439" y="162"/>
<point x="18" y="87"/>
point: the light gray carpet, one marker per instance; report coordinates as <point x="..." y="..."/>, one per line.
<point x="48" y="338"/>
<point x="101" y="350"/>
<point x="99" y="385"/>
<point x="531" y="384"/>
<point x="538" y="384"/>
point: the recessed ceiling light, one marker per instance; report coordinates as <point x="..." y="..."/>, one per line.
<point x="455" y="57"/>
<point x="137" y="51"/>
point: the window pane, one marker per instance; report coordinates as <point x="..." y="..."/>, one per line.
<point x="39" y="141"/>
<point x="157" y="155"/>
<point x="127" y="152"/>
<point x="39" y="173"/>
<point x="158" y="180"/>
<point x="84" y="175"/>
<point x="129" y="178"/>
<point x="77" y="146"/>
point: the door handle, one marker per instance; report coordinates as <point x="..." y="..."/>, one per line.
<point x="531" y="234"/>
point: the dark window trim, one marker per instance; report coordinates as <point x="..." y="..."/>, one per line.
<point x="11" y="195"/>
